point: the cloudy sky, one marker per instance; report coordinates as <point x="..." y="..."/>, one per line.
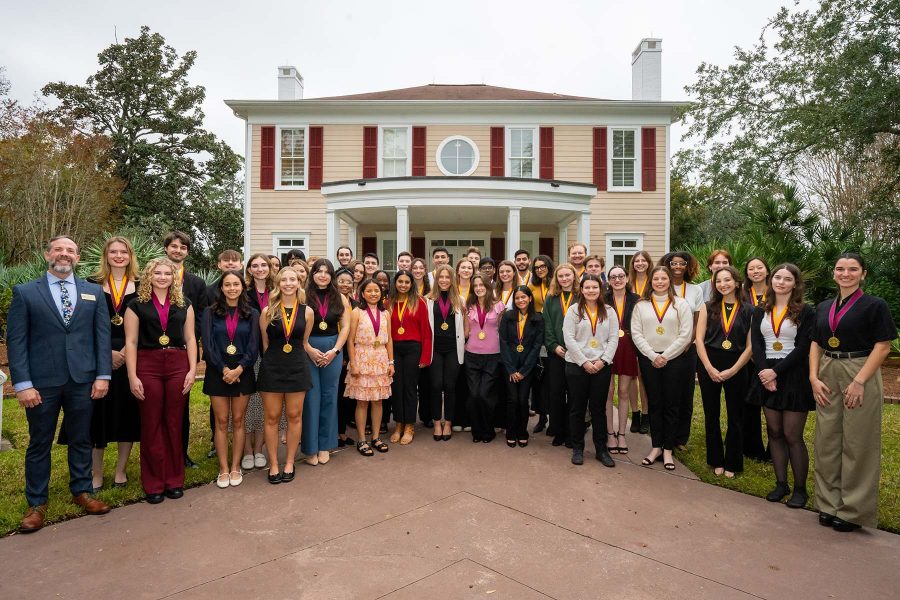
<point x="580" y="47"/>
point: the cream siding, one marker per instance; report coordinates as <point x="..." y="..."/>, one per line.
<point x="479" y="134"/>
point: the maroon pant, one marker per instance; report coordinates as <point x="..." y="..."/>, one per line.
<point x="162" y="374"/>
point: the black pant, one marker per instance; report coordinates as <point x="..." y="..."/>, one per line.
<point x="557" y="401"/>
<point x="664" y="394"/>
<point x="517" y="407"/>
<point x="753" y="446"/>
<point x="686" y="407"/>
<point x="481" y="374"/>
<point x="538" y="397"/>
<point x="444" y="374"/>
<point x="461" y="410"/>
<point x="730" y="457"/>
<point x="499" y="418"/>
<point x="588" y="391"/>
<point x="406" y="380"/>
<point x="425" y="394"/>
<point x="186" y="424"/>
<point x="346" y="406"/>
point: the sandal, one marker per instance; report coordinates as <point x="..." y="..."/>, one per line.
<point x="363" y="448"/>
<point x="379" y="445"/>
<point x="669" y="466"/>
<point x="622" y="449"/>
<point x="612" y="449"/>
<point x="511" y="443"/>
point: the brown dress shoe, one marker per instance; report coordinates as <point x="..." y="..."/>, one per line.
<point x="33" y="519"/>
<point x="91" y="506"/>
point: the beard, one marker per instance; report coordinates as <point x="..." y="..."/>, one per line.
<point x="61" y="267"/>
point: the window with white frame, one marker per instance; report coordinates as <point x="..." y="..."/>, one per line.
<point x="292" y="157"/>
<point x="395" y="151"/>
<point x="620" y="247"/>
<point x="457" y="155"/>
<point x="283" y="242"/>
<point x="522" y="157"/>
<point x="624" y="160"/>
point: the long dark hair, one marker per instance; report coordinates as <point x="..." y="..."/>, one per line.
<point x="747" y="287"/>
<point x="527" y="291"/>
<point x="714" y="306"/>
<point x="648" y="290"/>
<point x="795" y="302"/>
<point x="332" y="295"/>
<point x="582" y="301"/>
<point x="412" y="297"/>
<point x="220" y="304"/>
<point x="535" y="279"/>
<point x="489" y="300"/>
<point x="426" y="285"/>
<point x="362" y="288"/>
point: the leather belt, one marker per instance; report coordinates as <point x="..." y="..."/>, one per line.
<point x="858" y="354"/>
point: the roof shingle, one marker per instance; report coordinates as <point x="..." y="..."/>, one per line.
<point x="470" y="91"/>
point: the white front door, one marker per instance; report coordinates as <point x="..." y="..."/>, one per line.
<point x="457" y="242"/>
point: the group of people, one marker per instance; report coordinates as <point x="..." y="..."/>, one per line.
<point x="308" y="353"/>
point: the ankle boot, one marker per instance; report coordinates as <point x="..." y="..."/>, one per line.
<point x="781" y="490"/>
<point x="635" y="421"/>
<point x="798" y="499"/>
<point x="645" y="423"/>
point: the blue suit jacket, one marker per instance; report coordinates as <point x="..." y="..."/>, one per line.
<point x="46" y="352"/>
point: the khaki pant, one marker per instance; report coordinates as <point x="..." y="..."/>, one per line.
<point x="848" y="445"/>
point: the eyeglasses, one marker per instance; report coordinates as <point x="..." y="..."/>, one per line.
<point x="539" y="267"/>
<point x="677" y="263"/>
<point x="615" y="277"/>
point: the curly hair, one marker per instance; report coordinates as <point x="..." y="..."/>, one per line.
<point x="145" y="288"/>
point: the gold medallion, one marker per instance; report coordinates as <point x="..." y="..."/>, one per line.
<point x="520" y="348"/>
<point x="777" y="346"/>
<point x="594" y="344"/>
<point x="621" y="333"/>
<point x="377" y="343"/>
<point x="834" y="342"/>
<point x="323" y="325"/>
<point x="117" y="320"/>
<point x="726" y="344"/>
<point x="163" y="340"/>
<point x="660" y="330"/>
<point x="231" y="349"/>
<point x="481" y="335"/>
<point x="445" y="326"/>
<point x="287" y="348"/>
<point x="401" y="330"/>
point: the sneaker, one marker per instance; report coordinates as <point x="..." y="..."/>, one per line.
<point x="259" y="460"/>
<point x="467" y="429"/>
<point x="457" y="428"/>
<point x="247" y="462"/>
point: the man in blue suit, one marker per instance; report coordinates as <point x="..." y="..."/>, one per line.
<point x="58" y="337"/>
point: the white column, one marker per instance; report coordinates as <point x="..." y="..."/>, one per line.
<point x="332" y="232"/>
<point x="513" y="234"/>
<point x="402" y="229"/>
<point x="248" y="145"/>
<point x="351" y="235"/>
<point x="584" y="229"/>
<point x="563" y="237"/>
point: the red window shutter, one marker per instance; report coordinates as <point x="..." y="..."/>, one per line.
<point x="546" y="142"/>
<point x="316" y="156"/>
<point x="418" y="152"/>
<point x="267" y="159"/>
<point x="600" y="176"/>
<point x="370" y="152"/>
<point x="648" y="159"/>
<point x="498" y="154"/>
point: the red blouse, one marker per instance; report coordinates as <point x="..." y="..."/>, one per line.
<point x="416" y="328"/>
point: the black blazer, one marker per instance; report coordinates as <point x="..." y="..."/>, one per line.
<point x="798" y="357"/>
<point x="43" y="350"/>
<point x="246" y="338"/>
<point x="631" y="299"/>
<point x="532" y="339"/>
<point x="194" y="289"/>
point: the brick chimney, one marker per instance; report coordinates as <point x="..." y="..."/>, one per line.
<point x="290" y="83"/>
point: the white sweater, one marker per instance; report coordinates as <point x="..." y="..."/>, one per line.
<point x="577" y="336"/>
<point x="678" y="325"/>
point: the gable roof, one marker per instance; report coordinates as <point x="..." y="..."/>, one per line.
<point x="468" y="91"/>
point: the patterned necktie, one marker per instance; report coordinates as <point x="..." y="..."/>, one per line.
<point x="66" y="303"/>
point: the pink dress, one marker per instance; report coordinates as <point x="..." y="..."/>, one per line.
<point x="372" y="381"/>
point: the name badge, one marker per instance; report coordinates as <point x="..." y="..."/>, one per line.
<point x="88" y="297"/>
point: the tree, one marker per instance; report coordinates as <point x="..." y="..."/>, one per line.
<point x="141" y="98"/>
<point x="827" y="84"/>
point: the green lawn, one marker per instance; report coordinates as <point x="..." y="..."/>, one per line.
<point x="757" y="478"/>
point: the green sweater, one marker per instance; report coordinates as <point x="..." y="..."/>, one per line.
<point x="553" y="323"/>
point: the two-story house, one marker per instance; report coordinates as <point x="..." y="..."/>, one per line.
<point x="459" y="166"/>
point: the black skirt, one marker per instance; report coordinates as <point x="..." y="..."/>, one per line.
<point x="284" y="372"/>
<point x="794" y="391"/>
<point x="214" y="385"/>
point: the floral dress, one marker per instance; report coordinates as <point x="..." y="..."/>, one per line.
<point x="372" y="381"/>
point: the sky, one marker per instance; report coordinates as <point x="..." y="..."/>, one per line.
<point x="573" y="47"/>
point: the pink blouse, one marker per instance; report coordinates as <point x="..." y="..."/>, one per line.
<point x="491" y="342"/>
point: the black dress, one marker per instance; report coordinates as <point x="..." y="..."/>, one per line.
<point x="116" y="416"/>
<point x="215" y="342"/>
<point x="280" y="371"/>
<point x="794" y="392"/>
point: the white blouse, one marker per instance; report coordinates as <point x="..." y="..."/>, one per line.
<point x="577" y="336"/>
<point x="786" y="336"/>
<point x="677" y="326"/>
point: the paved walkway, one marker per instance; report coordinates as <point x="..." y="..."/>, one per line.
<point x="455" y="520"/>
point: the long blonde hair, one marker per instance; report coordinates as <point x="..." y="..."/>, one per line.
<point x="453" y="294"/>
<point x="273" y="311"/>
<point x="555" y="288"/>
<point x="145" y="288"/>
<point x="103" y="269"/>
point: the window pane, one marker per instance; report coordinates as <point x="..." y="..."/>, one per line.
<point x="292" y="159"/>
<point x="394" y="142"/>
